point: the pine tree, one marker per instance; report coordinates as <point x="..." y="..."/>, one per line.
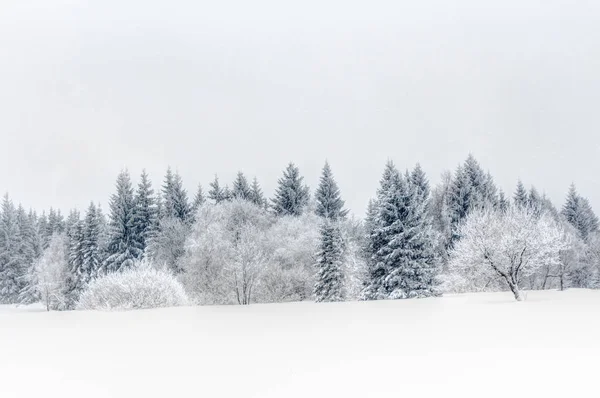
<point x="256" y="194"/>
<point x="29" y="293"/>
<point x="329" y="202"/>
<point x="11" y="261"/>
<point x="145" y="215"/>
<point x="503" y="203"/>
<point x="227" y="195"/>
<point x="176" y="203"/>
<point x="460" y="201"/>
<point x="124" y="246"/>
<point x="330" y="276"/>
<point x="291" y="195"/>
<point x="198" y="199"/>
<point x="403" y="259"/>
<point x="578" y="212"/>
<point x="77" y="276"/>
<point x="216" y="193"/>
<point x="42" y="227"/>
<point x="241" y="188"/>
<point x="379" y="230"/>
<point x="520" y="198"/>
<point x="419" y="180"/>
<point x="91" y="249"/>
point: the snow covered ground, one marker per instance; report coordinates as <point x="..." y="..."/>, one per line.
<point x="474" y="345"/>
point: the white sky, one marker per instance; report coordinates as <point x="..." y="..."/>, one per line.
<point x="87" y="88"/>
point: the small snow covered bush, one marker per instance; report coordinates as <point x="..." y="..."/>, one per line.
<point x="136" y="288"/>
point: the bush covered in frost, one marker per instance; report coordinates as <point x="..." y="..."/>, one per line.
<point x="136" y="288"/>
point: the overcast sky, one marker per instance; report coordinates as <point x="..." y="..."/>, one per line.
<point x="90" y="87"/>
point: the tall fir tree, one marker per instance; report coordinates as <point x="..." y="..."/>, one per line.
<point x="76" y="277"/>
<point x="241" y="188"/>
<point x="291" y="195"/>
<point x="420" y="181"/>
<point x="216" y="193"/>
<point x="11" y="260"/>
<point x="124" y="246"/>
<point x="146" y="214"/>
<point x="329" y="285"/>
<point x="92" y="252"/>
<point x="256" y="194"/>
<point x="503" y="203"/>
<point x="329" y="202"/>
<point x="199" y="199"/>
<point x="176" y="203"/>
<point x="578" y="212"/>
<point x="520" y="197"/>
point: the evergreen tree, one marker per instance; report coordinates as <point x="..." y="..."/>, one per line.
<point x="503" y="203"/>
<point x="198" y="199"/>
<point x="460" y="201"/>
<point x="216" y="193"/>
<point x="77" y="276"/>
<point x="403" y="262"/>
<point x="145" y="216"/>
<point x="42" y="227"/>
<point x="330" y="276"/>
<point x="520" y="198"/>
<point x="124" y="246"/>
<point x="176" y="203"/>
<point x="11" y="261"/>
<point x="419" y="180"/>
<point x="578" y="212"/>
<point x="329" y="202"/>
<point x="291" y="195"/>
<point x="227" y="195"/>
<point x="256" y="194"/>
<point x="241" y="188"/>
<point x="91" y="249"/>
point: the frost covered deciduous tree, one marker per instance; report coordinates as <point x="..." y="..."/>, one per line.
<point x="291" y="195"/>
<point x="509" y="245"/>
<point x="51" y="274"/>
<point x="167" y="245"/>
<point x="329" y="202"/>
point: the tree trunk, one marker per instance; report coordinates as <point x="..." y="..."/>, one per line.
<point x="515" y="289"/>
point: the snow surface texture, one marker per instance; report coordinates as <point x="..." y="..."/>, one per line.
<point x="471" y="345"/>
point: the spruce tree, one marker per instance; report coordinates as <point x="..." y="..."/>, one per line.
<point x="291" y="195"/>
<point x="241" y="188"/>
<point x="330" y="261"/>
<point x="198" y="199"/>
<point x="11" y="262"/>
<point x="420" y="181"/>
<point x="227" y="195"/>
<point x="124" y="246"/>
<point x="578" y="212"/>
<point x="256" y="194"/>
<point x="503" y="203"/>
<point x="329" y="202"/>
<point x="176" y="203"/>
<point x="91" y="245"/>
<point x="520" y="198"/>
<point x="216" y="191"/>
<point x="77" y="276"/>
<point x="145" y="215"/>
<point x="460" y="201"/>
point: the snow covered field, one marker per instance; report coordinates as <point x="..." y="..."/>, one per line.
<point x="474" y="345"/>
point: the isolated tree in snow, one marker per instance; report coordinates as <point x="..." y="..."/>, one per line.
<point x="291" y="195"/>
<point x="329" y="285"/>
<point x="124" y="245"/>
<point x="241" y="188"/>
<point x="145" y="214"/>
<point x="216" y="193"/>
<point x="329" y="202"/>
<point x="510" y="245"/>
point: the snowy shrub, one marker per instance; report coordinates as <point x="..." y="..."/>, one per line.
<point x="135" y="288"/>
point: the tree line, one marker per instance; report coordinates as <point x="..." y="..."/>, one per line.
<point x="233" y="245"/>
